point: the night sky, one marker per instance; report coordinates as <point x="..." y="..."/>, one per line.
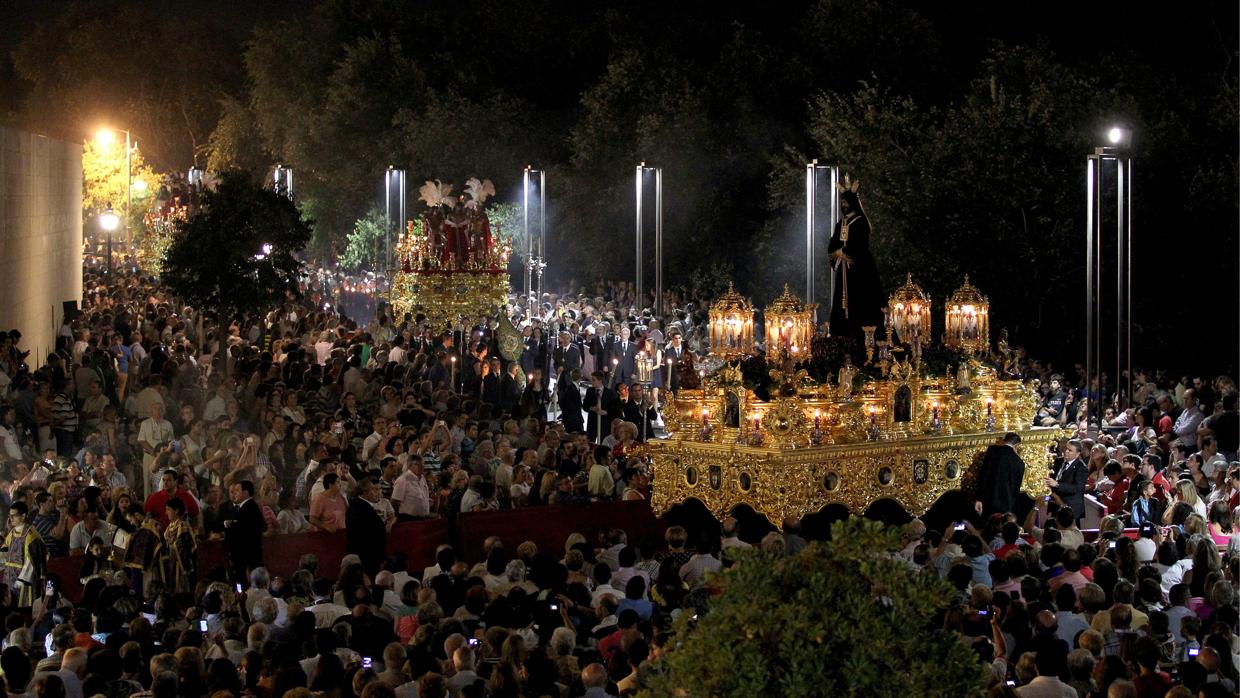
<point x="551" y="64"/>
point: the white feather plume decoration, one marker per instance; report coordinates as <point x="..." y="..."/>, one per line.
<point x="436" y="193"/>
<point x="478" y="191"/>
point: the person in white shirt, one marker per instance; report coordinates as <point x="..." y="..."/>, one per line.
<point x="1186" y="424"/>
<point x="88" y="528"/>
<point x="411" y="492"/>
<point x="372" y="441"/>
<point x="398" y="353"/>
<point x="731" y="527"/>
<point x="8" y="433"/>
<point x="217" y="406"/>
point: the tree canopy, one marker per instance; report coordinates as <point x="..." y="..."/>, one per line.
<point x="236" y="252"/>
<point x="841" y="618"/>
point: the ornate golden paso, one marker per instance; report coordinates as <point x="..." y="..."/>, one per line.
<point x="907" y="437"/>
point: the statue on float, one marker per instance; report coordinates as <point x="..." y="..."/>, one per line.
<point x="858" y="299"/>
<point x="457" y="232"/>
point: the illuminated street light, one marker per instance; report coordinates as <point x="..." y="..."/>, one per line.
<point x="535" y="263"/>
<point x="1112" y="163"/>
<point x="109" y="221"/>
<point x="642" y="169"/>
<point x="105" y="137"/>
<point x="833" y="217"/>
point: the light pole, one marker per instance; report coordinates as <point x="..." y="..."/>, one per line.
<point x="282" y="180"/>
<point x="394" y="188"/>
<point x="833" y="216"/>
<point x="534" y="263"/>
<point x="108" y="220"/>
<point x="105" y="137"/>
<point x="1097" y="165"/>
<point x="658" y="234"/>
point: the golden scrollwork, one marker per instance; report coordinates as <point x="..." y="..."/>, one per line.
<point x="777" y="483"/>
<point x="444" y="297"/>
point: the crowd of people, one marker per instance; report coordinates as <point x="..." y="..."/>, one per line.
<point x="153" y="428"/>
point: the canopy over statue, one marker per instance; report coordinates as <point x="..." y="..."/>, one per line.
<point x="857" y="299"/>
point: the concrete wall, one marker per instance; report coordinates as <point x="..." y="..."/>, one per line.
<point x="40" y="235"/>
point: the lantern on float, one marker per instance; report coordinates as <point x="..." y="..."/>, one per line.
<point x="789" y="327"/>
<point x="908" y="314"/>
<point x="731" y="326"/>
<point x="966" y="320"/>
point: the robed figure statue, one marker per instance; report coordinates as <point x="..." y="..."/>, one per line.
<point x="857" y="299"/>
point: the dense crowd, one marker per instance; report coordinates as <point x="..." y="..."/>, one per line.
<point x="154" y="427"/>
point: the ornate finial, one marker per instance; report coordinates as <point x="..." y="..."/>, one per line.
<point x="910" y="277"/>
<point x="966" y="279"/>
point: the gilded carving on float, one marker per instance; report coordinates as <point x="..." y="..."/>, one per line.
<point x="894" y="433"/>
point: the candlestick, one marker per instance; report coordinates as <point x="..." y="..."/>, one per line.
<point x="817" y="419"/>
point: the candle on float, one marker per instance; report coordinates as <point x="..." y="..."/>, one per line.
<point x="873" y="415"/>
<point x="990" y="406"/>
<point x="817" y="419"/>
<point x="705" y="414"/>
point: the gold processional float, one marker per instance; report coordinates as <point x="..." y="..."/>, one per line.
<point x="887" y="429"/>
<point x="451" y="267"/>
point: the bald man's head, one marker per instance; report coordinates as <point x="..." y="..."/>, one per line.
<point x="594" y="676"/>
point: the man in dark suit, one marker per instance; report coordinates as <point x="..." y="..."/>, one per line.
<point x="567" y="357"/>
<point x="243" y="532"/>
<point x="365" y="530"/>
<point x="601" y="346"/>
<point x="570" y="401"/>
<point x="510" y="390"/>
<point x="598" y="404"/>
<point x="623" y="359"/>
<point x="998" y="483"/>
<point x="674" y="357"/>
<point x="640" y="410"/>
<point x="1070" y="484"/>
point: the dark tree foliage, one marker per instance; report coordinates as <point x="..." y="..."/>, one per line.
<point x="217" y="258"/>
<point x="968" y="122"/>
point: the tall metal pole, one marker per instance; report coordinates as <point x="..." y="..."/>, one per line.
<point x="1091" y="178"/>
<point x="1123" y="282"/>
<point x="128" y="192"/>
<point x="542" y="215"/>
<point x="811" y="225"/>
<point x="1119" y="283"/>
<point x="525" y="227"/>
<point x="658" y="242"/>
<point x="542" y="227"/>
<point x="387" y="208"/>
<point x="640" y="171"/>
<point x="811" y="178"/>
<point x="400" y="222"/>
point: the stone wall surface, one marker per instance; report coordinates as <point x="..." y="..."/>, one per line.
<point x="40" y="235"/>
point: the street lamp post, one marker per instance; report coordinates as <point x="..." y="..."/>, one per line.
<point x="105" y="137"/>
<point x="658" y="234"/>
<point x="394" y="188"/>
<point x="1096" y="166"/>
<point x="534" y="263"/>
<point x="833" y="215"/>
<point x="108" y="220"/>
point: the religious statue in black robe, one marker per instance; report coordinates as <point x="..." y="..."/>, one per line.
<point x="857" y="299"/>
